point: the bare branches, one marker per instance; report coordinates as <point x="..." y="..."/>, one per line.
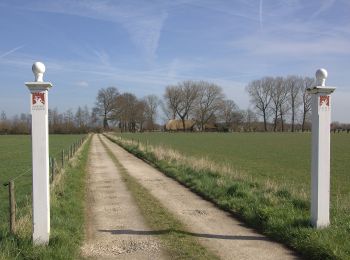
<point x="281" y="97"/>
<point x="306" y="99"/>
<point x="181" y="99"/>
<point x="209" y="102"/>
<point x="151" y="105"/>
<point x="228" y="112"/>
<point x="105" y="103"/>
<point x="294" y="88"/>
<point x="260" y="95"/>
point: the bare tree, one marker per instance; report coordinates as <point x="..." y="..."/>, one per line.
<point x="55" y="121"/>
<point x="86" y="116"/>
<point x="306" y="99"/>
<point x="210" y="98"/>
<point x="4" y="124"/>
<point x="151" y="105"/>
<point x="276" y="92"/>
<point x="180" y="99"/>
<point x="283" y="104"/>
<point x="294" y="85"/>
<point x="188" y="95"/>
<point x="228" y="112"/>
<point x="68" y="121"/>
<point x="279" y="99"/>
<point x="129" y="112"/>
<point x="250" y="120"/>
<point x="172" y="99"/>
<point x="106" y="102"/>
<point x="140" y="116"/>
<point x="94" y="118"/>
<point x="3" y="116"/>
<point x="260" y="96"/>
<point x="82" y="118"/>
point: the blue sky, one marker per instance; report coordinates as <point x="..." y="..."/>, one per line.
<point x="143" y="46"/>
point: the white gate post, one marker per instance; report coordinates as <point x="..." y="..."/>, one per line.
<point x="40" y="155"/>
<point x="320" y="166"/>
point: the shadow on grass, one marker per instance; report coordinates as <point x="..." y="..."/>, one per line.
<point x="168" y="231"/>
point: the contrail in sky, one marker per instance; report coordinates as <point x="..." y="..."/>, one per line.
<point x="260" y="14"/>
<point x="11" y="51"/>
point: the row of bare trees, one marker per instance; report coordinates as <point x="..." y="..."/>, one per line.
<point x="200" y="101"/>
<point x="82" y="120"/>
<point x="281" y="102"/>
<point x="126" y="110"/>
<point x="281" y="99"/>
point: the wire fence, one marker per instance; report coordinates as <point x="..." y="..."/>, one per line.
<point x="57" y="163"/>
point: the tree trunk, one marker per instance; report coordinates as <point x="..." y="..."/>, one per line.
<point x="183" y="124"/>
<point x="265" y="123"/>
<point x="303" y="124"/>
<point x="105" y="122"/>
<point x="282" y="123"/>
<point x="293" y="117"/>
<point x="275" y="122"/>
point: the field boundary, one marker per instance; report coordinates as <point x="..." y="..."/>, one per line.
<point x="55" y="170"/>
<point x="19" y="242"/>
<point x="277" y="215"/>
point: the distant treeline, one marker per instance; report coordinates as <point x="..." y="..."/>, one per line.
<point x="82" y="120"/>
<point x="277" y="104"/>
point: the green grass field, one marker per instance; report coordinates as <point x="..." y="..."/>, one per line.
<point x="67" y="202"/>
<point x="15" y="158"/>
<point x="282" y="159"/>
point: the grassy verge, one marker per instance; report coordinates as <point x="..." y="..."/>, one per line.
<point x="67" y="203"/>
<point x="179" y="243"/>
<point x="273" y="210"/>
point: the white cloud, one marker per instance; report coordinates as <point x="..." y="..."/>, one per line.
<point x="143" y="22"/>
<point x="324" y="5"/>
<point x="271" y="45"/>
<point x="82" y="84"/>
<point x="102" y="56"/>
<point x="10" y="51"/>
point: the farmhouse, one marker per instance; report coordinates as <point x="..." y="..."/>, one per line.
<point x="177" y="125"/>
<point x="190" y="125"/>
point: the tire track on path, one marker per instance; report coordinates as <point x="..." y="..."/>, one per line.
<point x="215" y="229"/>
<point x="112" y="214"/>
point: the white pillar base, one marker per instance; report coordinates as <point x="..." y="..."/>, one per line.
<point x="40" y="161"/>
<point x="320" y="167"/>
<point x="41" y="238"/>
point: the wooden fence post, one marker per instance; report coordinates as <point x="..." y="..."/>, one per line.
<point x="53" y="168"/>
<point x="12" y="203"/>
<point x="62" y="158"/>
<point x="50" y="169"/>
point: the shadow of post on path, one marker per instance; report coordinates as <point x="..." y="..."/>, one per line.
<point x="168" y="231"/>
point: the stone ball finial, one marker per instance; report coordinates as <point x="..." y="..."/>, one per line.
<point x="38" y="69"/>
<point x="321" y="76"/>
